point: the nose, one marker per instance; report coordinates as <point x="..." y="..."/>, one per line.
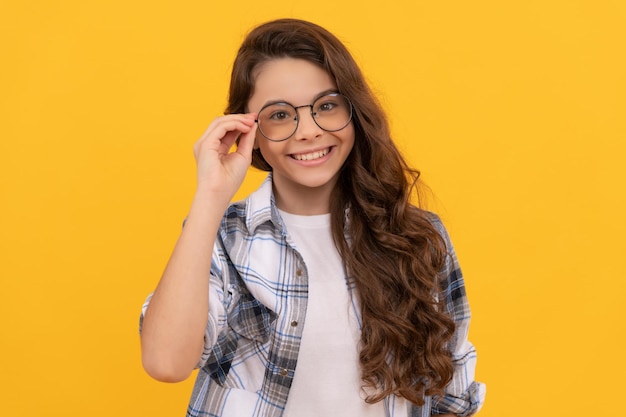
<point x="307" y="128"/>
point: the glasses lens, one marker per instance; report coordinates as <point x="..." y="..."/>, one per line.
<point x="278" y="121"/>
<point x="332" y="112"/>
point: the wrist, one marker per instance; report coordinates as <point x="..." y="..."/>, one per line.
<point x="208" y="197"/>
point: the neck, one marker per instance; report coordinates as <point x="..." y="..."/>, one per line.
<point x="298" y="199"/>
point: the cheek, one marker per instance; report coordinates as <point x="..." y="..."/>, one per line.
<point x="350" y="135"/>
<point x="269" y="150"/>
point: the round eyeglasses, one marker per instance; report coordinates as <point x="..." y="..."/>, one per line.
<point x="278" y="121"/>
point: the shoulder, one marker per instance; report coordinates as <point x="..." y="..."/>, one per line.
<point x="246" y="217"/>
<point x="430" y="220"/>
<point x="433" y="218"/>
<point x="235" y="214"/>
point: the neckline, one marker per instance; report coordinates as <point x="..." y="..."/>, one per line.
<point x="301" y="220"/>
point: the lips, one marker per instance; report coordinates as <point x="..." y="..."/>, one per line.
<point x="310" y="156"/>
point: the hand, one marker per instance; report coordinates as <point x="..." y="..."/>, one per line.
<point x="220" y="170"/>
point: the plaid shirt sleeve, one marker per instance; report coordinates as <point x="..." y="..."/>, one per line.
<point x="463" y="395"/>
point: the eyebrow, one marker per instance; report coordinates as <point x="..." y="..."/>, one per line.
<point x="282" y="101"/>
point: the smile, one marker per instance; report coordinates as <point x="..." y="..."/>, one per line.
<point x="310" y="156"/>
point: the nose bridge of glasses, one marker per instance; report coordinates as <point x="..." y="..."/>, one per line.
<point x="311" y="112"/>
<point x="306" y="128"/>
<point x="310" y="106"/>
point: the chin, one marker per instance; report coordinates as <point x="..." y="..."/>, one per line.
<point x="318" y="182"/>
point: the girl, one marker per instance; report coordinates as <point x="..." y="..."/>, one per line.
<point x="327" y="293"/>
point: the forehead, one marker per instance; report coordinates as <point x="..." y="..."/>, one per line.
<point x="293" y="80"/>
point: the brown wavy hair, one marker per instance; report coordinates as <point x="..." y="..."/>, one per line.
<point x="392" y="252"/>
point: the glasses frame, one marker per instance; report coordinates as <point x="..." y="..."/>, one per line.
<point x="297" y="117"/>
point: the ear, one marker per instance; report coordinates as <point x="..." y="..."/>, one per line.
<point x="256" y="143"/>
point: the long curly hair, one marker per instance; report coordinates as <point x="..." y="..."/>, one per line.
<point x="392" y="253"/>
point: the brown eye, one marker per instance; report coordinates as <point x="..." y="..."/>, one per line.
<point x="279" y="115"/>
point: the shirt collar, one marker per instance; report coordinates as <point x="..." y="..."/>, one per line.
<point x="261" y="207"/>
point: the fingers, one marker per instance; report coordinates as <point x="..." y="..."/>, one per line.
<point x="224" y="131"/>
<point x="246" y="143"/>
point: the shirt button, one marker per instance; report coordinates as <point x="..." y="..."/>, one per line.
<point x="299" y="272"/>
<point x="284" y="372"/>
<point x="294" y="323"/>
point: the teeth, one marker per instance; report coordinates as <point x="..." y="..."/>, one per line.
<point x="310" y="156"/>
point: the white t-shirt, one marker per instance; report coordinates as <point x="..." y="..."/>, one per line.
<point x="327" y="380"/>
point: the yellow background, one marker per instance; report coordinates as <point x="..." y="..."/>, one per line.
<point x="513" y="110"/>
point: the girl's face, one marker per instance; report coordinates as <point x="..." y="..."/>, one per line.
<point x="308" y="163"/>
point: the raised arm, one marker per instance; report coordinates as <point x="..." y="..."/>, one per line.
<point x="173" y="327"/>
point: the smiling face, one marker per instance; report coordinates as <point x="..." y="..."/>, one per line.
<point x="306" y="166"/>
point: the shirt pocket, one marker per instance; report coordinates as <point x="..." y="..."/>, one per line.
<point x="247" y="316"/>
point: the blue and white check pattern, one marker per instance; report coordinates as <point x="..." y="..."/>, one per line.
<point x="258" y="301"/>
